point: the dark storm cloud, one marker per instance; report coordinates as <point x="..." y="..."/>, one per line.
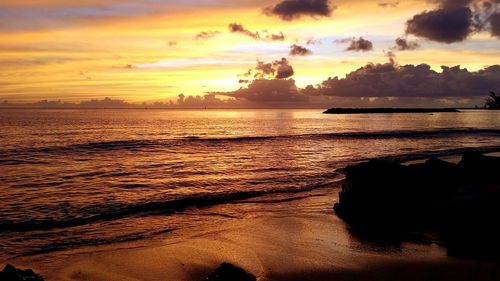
<point x="357" y="45"/>
<point x="495" y="24"/>
<point x="204" y="35"/>
<point x="279" y="69"/>
<point x="451" y="4"/>
<point x="454" y="20"/>
<point x="239" y="28"/>
<point x="442" y="25"/>
<point x="486" y="16"/>
<point x="389" y="4"/>
<point x="403" y="44"/>
<point x="392" y="80"/>
<point x="487" y="5"/>
<point x="283" y="69"/>
<point x="296" y="50"/>
<point x="374" y="85"/>
<point x="294" y="9"/>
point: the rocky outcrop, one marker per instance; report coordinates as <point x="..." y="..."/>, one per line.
<point x="457" y="204"/>
<point x="386" y="110"/>
<point x="10" y="273"/>
<point x="229" y="272"/>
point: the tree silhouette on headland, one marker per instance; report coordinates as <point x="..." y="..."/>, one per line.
<point x="493" y="102"/>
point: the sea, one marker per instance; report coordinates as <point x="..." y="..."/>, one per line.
<point x="72" y="178"/>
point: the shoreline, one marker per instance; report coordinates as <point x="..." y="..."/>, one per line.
<point x="301" y="239"/>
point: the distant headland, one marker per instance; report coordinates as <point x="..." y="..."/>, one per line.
<point x="387" y="110"/>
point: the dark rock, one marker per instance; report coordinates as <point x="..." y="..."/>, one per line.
<point x="371" y="186"/>
<point x="458" y="204"/>
<point x="382" y="193"/>
<point x="229" y="272"/>
<point x="480" y="168"/>
<point x="387" y="110"/>
<point x="471" y="229"/>
<point x="10" y="273"/>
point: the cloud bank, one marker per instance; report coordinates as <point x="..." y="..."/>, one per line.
<point x="376" y="85"/>
<point x="392" y="80"/>
<point x="269" y="91"/>
<point x="373" y="85"/>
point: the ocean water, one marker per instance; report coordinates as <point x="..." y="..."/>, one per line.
<point x="70" y="178"/>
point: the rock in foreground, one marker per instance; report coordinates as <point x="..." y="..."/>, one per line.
<point x="229" y="272"/>
<point x="457" y="205"/>
<point x="10" y="273"/>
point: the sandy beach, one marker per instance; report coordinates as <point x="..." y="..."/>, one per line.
<point x="217" y="140"/>
<point x="272" y="238"/>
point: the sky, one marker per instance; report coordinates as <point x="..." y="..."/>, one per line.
<point x="284" y="53"/>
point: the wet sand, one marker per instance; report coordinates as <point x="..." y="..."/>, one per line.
<point x="272" y="238"/>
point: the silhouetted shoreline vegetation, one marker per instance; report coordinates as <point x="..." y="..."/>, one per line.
<point x="493" y="101"/>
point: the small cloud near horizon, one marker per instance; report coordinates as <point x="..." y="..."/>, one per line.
<point x="403" y="44"/>
<point x="278" y="69"/>
<point x="357" y="45"/>
<point x="205" y="35"/>
<point x="239" y="28"/>
<point x="297" y="50"/>
<point x="394" y="4"/>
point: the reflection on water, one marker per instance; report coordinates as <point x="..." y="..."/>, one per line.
<point x="112" y="175"/>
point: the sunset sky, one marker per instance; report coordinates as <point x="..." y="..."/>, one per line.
<point x="153" y="50"/>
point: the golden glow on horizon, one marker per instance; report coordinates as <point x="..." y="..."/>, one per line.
<point x="90" y="59"/>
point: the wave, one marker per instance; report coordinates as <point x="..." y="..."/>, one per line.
<point x="162" y="143"/>
<point x="156" y="207"/>
<point x="363" y="135"/>
<point x="12" y="162"/>
<point x="93" y="241"/>
<point x="208" y="199"/>
<point x="403" y="157"/>
<point x="418" y="134"/>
